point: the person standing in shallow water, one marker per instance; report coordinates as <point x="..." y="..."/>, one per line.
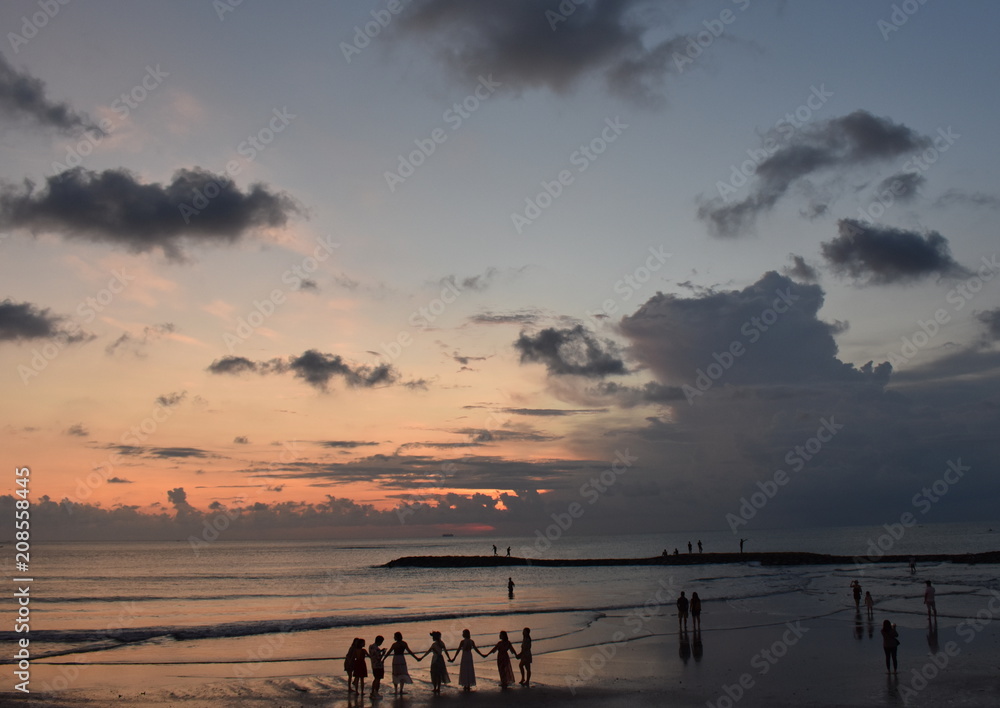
<point x="890" y="642"/>
<point x="856" y="588"/>
<point x="525" y="657"/>
<point x="503" y="651"/>
<point x="510" y="588"/>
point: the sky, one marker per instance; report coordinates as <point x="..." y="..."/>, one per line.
<point x="519" y="267"/>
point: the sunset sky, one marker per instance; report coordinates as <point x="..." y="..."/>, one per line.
<point x="398" y="267"/>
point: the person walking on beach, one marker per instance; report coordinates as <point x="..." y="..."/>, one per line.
<point x="890" y="642"/>
<point x="503" y="651"/>
<point x="695" y="611"/>
<point x="360" y="667"/>
<point x="524" y="657"/>
<point x="467" y="669"/>
<point x="376" y="653"/>
<point x="439" y="670"/>
<point x="869" y="604"/>
<point x="510" y="588"/>
<point x="929" y="600"/>
<point x="400" y="674"/>
<point x="682" y="612"/>
<point x="349" y="664"/>
<point x="856" y="587"/>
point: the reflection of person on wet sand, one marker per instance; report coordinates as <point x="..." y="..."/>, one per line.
<point x="525" y="657"/>
<point x="890" y="642"/>
<point x="697" y="648"/>
<point x="685" y="646"/>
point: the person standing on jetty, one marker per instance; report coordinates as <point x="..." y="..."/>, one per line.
<point x="400" y="674"/>
<point x="699" y="546"/>
<point x="929" y="600"/>
<point x="503" y="650"/>
<point x="690" y="547"/>
<point x="742" y="541"/>
<point x="890" y="642"/>
<point x="682" y="612"/>
<point x="494" y="549"/>
<point x="525" y="657"/>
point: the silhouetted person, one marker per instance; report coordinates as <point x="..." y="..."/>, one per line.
<point x="508" y="551"/>
<point x="467" y="669"/>
<point x="360" y="667"/>
<point x="682" y="611"/>
<point x="742" y="541"/>
<point x="695" y="611"/>
<point x="929" y="600"/>
<point x="869" y="604"/>
<point x="510" y="588"/>
<point x="913" y="564"/>
<point x="400" y="674"/>
<point x="699" y="545"/>
<point x="376" y="653"/>
<point x="524" y="657"/>
<point x="890" y="642"/>
<point x="349" y="664"/>
<point x="856" y="587"/>
<point x="494" y="549"/>
<point x="676" y="552"/>
<point x="439" y="670"/>
<point x="690" y="547"/>
<point x="665" y="554"/>
<point x="503" y="650"/>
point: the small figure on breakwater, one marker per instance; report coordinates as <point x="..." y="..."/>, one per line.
<point x="699" y="546"/>
<point x="742" y="541"/>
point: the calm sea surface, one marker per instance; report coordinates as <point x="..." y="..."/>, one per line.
<point x="141" y="602"/>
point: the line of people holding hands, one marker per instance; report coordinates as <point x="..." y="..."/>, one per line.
<point x="357" y="668"/>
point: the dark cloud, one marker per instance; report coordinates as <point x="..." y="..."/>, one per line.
<point x="23" y="321"/>
<point x="651" y="393"/>
<point x="523" y="317"/>
<point x="119" y="480"/>
<point x="346" y="444"/>
<point x="315" y="368"/>
<point x="22" y="97"/>
<point x="960" y="197"/>
<point x="136" y="345"/>
<point x="800" y="270"/>
<point x="903" y="187"/>
<point x="241" y="440"/>
<point x="77" y="430"/>
<point x="773" y="322"/>
<point x="843" y="143"/>
<point x="168" y="400"/>
<point x="531" y="44"/>
<point x="991" y="318"/>
<point x="477" y="283"/>
<point x="881" y="255"/>
<point x="573" y="351"/>
<point x="114" y="207"/>
<point x="169" y="452"/>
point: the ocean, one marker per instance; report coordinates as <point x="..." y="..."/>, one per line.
<point x="244" y="603"/>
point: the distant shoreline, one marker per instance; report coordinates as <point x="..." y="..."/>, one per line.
<point x="770" y="558"/>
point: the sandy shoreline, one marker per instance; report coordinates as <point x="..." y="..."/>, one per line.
<point x="832" y="660"/>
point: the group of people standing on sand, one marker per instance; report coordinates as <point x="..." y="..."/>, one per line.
<point x="693" y="606"/>
<point x="357" y="669"/>
<point x="890" y="635"/>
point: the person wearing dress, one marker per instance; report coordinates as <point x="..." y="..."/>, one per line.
<point x="890" y="644"/>
<point x="504" y="649"/>
<point x="376" y="653"/>
<point x="695" y="611"/>
<point x="467" y="670"/>
<point x="400" y="674"/>
<point x="360" y="667"/>
<point x="349" y="665"/>
<point x="525" y="657"/>
<point x="439" y="670"/>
